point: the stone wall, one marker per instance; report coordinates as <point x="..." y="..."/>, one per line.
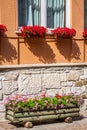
<point x="34" y="79"/>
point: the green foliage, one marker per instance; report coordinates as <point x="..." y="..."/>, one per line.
<point x="43" y="103"/>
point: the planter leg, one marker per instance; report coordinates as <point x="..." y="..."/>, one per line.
<point x="68" y="120"/>
<point x="28" y="124"/>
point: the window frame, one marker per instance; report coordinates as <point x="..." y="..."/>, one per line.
<point x="43" y="20"/>
<point x="85" y="18"/>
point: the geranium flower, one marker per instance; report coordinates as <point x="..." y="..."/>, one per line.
<point x="3" y="29"/>
<point x="43" y="102"/>
<point x="37" y="31"/>
<point x="64" y="32"/>
<point x="85" y="33"/>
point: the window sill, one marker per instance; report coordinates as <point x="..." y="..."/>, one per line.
<point x="18" y="32"/>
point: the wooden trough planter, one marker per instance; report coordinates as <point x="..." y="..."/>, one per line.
<point x="27" y="118"/>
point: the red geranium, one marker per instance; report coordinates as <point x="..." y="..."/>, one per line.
<point x="85" y="33"/>
<point x="64" y="32"/>
<point x="3" y="29"/>
<point x="38" y="31"/>
<point x="58" y="96"/>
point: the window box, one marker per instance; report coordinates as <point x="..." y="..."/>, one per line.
<point x="33" y="31"/>
<point x="33" y="116"/>
<point x="65" y="33"/>
<point x="85" y="33"/>
<point x="22" y="109"/>
<point x="3" y="29"/>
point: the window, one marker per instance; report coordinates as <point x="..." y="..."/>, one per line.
<point x="85" y="13"/>
<point x="29" y="12"/>
<point x="48" y="13"/>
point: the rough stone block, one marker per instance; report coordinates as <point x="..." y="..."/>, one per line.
<point x="2" y="106"/>
<point x="29" y="84"/>
<point x="2" y="116"/>
<point x="66" y="90"/>
<point x="1" y="77"/>
<point x="85" y="71"/>
<point x="79" y="83"/>
<point x="77" y="90"/>
<point x="63" y="77"/>
<point x="73" y="75"/>
<point x="10" y="76"/>
<point x="51" y="80"/>
<point x="83" y="77"/>
<point x="0" y="85"/>
<point x="9" y="87"/>
<point x="66" y="84"/>
<point x="52" y="92"/>
<point x="1" y="95"/>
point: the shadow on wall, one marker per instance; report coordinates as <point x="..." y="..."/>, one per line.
<point x="65" y="47"/>
<point x="68" y="48"/>
<point x="7" y="51"/>
<point x="41" y="49"/>
<point x="75" y="51"/>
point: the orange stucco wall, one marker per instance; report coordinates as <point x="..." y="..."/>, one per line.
<point x="77" y="22"/>
<point x="9" y="15"/>
<point x="42" y="51"/>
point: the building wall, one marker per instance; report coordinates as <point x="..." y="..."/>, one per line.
<point x="77" y="22"/>
<point x="43" y="51"/>
<point x="77" y="16"/>
<point x="9" y="16"/>
<point x="38" y="50"/>
<point x="49" y="77"/>
<point x="34" y="79"/>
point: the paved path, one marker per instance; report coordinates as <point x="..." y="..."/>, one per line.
<point x="80" y="124"/>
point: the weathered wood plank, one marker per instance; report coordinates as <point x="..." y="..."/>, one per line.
<point x="9" y="112"/>
<point x="69" y="106"/>
<point x="39" y="113"/>
<point x="41" y="118"/>
<point x="11" y="118"/>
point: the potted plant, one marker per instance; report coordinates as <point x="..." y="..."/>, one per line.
<point x="41" y="107"/>
<point x="63" y="36"/>
<point x="85" y="33"/>
<point x="3" y="29"/>
<point x="65" y="32"/>
<point x="85" y="36"/>
<point x="33" y="34"/>
<point x="33" y="31"/>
